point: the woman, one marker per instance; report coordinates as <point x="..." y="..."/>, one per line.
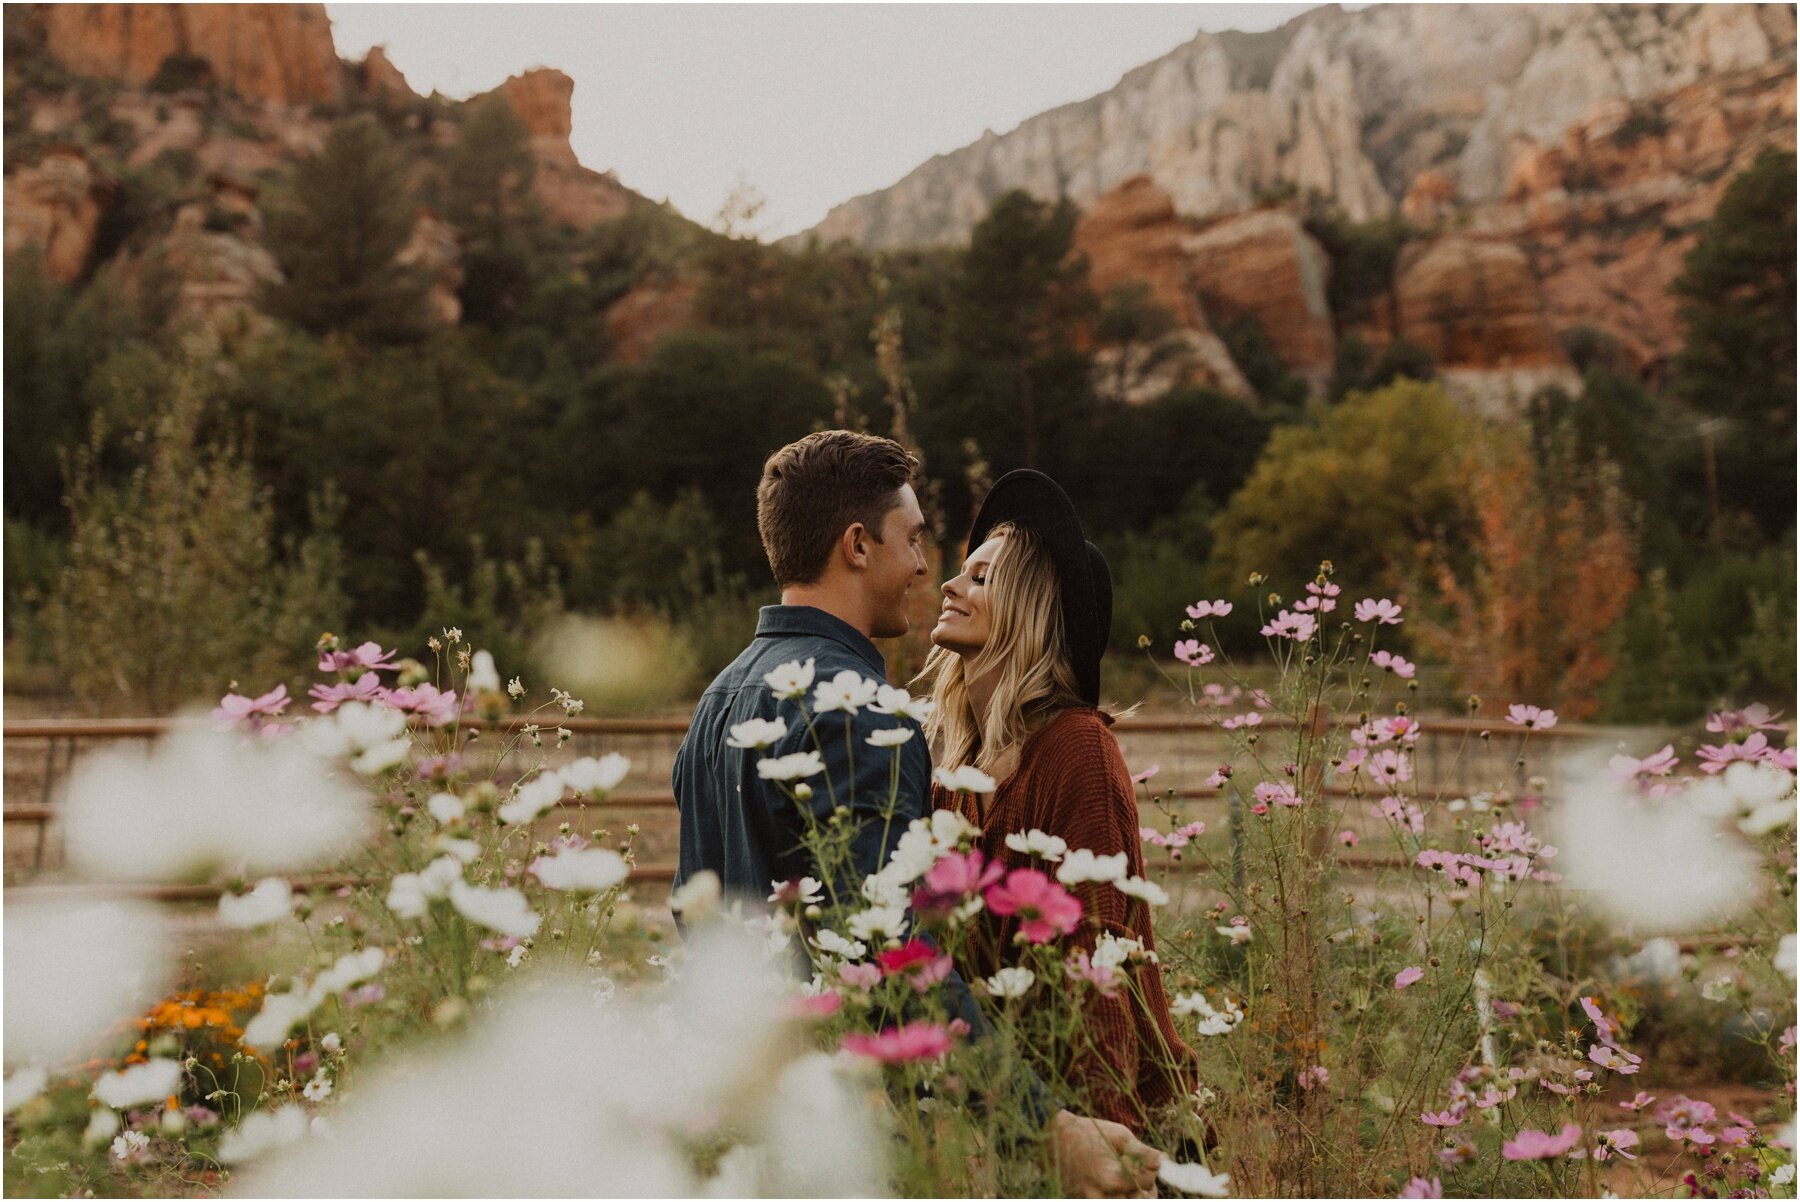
<point x="1015" y="675"/>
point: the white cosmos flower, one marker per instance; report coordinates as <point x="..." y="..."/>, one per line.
<point x="129" y="1145"/>
<point x="901" y="704"/>
<point x="1651" y="865"/>
<point x="319" y="1088"/>
<point x="76" y="968"/>
<point x="1784" y="956"/>
<point x="1211" y="1021"/>
<point x="350" y="969"/>
<point x="595" y="778"/>
<point x="893" y="737"/>
<point x="1764" y="795"/>
<point x="1144" y="890"/>
<point x="966" y="779"/>
<point x="332" y="1043"/>
<point x="1194" y="1179"/>
<point x="271" y="901"/>
<point x="353" y="729"/>
<point x="790" y="681"/>
<point x="24" y="1085"/>
<point x="502" y="910"/>
<point x="280" y="1013"/>
<point x="484" y="677"/>
<point x="406" y="896"/>
<point x="139" y="1085"/>
<point x="203" y="799"/>
<point x="1082" y="865"/>
<point x="1037" y="843"/>
<point x="845" y="693"/>
<point x="697" y="896"/>
<point x="757" y="733"/>
<point x="810" y="891"/>
<point x="464" y="851"/>
<point x="1783" y="1175"/>
<point x="583" y="870"/>
<point x="1011" y="982"/>
<point x="1237" y="934"/>
<point x="878" y="923"/>
<point x="103" y="1123"/>
<point x="261" y="1132"/>
<point x="1112" y="951"/>
<point x="446" y="808"/>
<point x="532" y="799"/>
<point x="832" y="943"/>
<point x="790" y="767"/>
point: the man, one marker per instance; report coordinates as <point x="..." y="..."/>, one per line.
<point x="841" y="525"/>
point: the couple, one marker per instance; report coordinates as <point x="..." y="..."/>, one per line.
<point x="1015" y="675"/>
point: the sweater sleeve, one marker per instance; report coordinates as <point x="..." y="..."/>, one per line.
<point x="1089" y="800"/>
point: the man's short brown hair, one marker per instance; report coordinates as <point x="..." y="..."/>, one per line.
<point x="815" y="489"/>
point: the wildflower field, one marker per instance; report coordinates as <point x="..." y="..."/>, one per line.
<point x="434" y="972"/>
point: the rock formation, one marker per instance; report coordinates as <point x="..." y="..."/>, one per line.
<point x="1264" y="265"/>
<point x="378" y="78"/>
<point x="212" y="263"/>
<point x="56" y="205"/>
<point x="435" y="251"/>
<point x="637" y="321"/>
<point x="278" y="53"/>
<point x="569" y="192"/>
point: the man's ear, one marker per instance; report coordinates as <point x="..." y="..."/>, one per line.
<point x="854" y="545"/>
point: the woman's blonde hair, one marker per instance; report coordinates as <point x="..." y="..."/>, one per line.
<point x="1026" y="651"/>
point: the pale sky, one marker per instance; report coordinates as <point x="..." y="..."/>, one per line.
<point x="810" y="104"/>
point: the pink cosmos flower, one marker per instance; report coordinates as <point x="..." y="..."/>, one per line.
<point x="1617" y="1060"/>
<point x="1238" y="721"/>
<point x="1219" y="777"/>
<point x="1537" y="1145"/>
<point x="1382" y="612"/>
<point x="1606" y="1028"/>
<point x="1444" y="1118"/>
<point x="368" y="657"/>
<point x="899" y="1045"/>
<point x="1319" y="598"/>
<point x="1390" y="767"/>
<point x="959" y="874"/>
<point x="1751" y="717"/>
<point x="820" y="1005"/>
<point x="365" y="995"/>
<point x="1144" y="776"/>
<point x="860" y="977"/>
<point x="1288" y="625"/>
<point x="1456" y="1153"/>
<point x="436" y="708"/>
<point x="1044" y="908"/>
<point x="1193" y="653"/>
<point x="1639" y="1102"/>
<point x="1389" y="662"/>
<point x="1313" y="1077"/>
<point x="1418" y="1187"/>
<point x="1103" y="977"/>
<point x="233" y="708"/>
<point x="1410" y="975"/>
<point x="1402" y="813"/>
<point x="1620" y="1140"/>
<point x="1659" y="764"/>
<point x="1506" y="1011"/>
<point x="365" y="688"/>
<point x="1685" y="1118"/>
<point x="1279" y="793"/>
<point x="921" y="964"/>
<point x="1735" y="1136"/>
<point x="1208" y="609"/>
<point x="1752" y="749"/>
<point x="1349" y="838"/>
<point x="1531" y="717"/>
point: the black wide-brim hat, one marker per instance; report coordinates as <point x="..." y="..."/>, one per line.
<point x="1034" y="501"/>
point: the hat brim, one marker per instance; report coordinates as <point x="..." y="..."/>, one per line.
<point x="1032" y="500"/>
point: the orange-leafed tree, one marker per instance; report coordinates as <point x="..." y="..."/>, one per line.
<point x="1550" y="567"/>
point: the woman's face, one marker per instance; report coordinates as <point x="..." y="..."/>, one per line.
<point x="964" y="624"/>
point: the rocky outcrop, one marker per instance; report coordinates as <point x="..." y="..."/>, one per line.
<point x="55" y="205"/>
<point x="570" y="193"/>
<point x="1132" y="236"/>
<point x="277" y="53"/>
<point x="1265" y="266"/>
<point x="1352" y="105"/>
<point x="212" y="265"/>
<point x="436" y="252"/>
<point x="640" y="319"/>
<point x="379" y="79"/>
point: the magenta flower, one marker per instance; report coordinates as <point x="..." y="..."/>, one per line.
<point x="1531" y="717"/>
<point x="920" y="963"/>
<point x="819" y="1005"/>
<point x="860" y="977"/>
<point x="434" y="707"/>
<point x="1382" y="611"/>
<point x="1044" y="908"/>
<point x="1618" y="1141"/>
<point x="1103" y="977"/>
<point x="1288" y="625"/>
<point x="899" y="1045"/>
<point x="1536" y="1145"/>
<point x="233" y="708"/>
<point x="1388" y="661"/>
<point x="1208" y="609"/>
<point x="365" y="688"/>
<point x="1418" y="1187"/>
<point x="369" y="657"/>
<point x="1410" y="975"/>
<point x="962" y="873"/>
<point x="1193" y="653"/>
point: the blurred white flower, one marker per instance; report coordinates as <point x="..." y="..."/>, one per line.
<point x="1658" y="960"/>
<point x="202" y="799"/>
<point x="1082" y="865"/>
<point x="1011" y="982"/>
<point x="1652" y="865"/>
<point x="595" y="778"/>
<point x="1784" y="956"/>
<point x="410" y="892"/>
<point x="332" y="1043"/>
<point x="1783" y="1175"/>
<point x="1194" y="1179"/>
<point x="484" y="677"/>
<point x="892" y="737"/>
<point x="271" y="901"/>
<point x="756" y="734"/>
<point x="1209" y="1021"/>
<point x="790" y="681"/>
<point x="832" y="943"/>
<point x="24" y="1085"/>
<point x="503" y="910"/>
<point x="583" y="870"/>
<point x="878" y="923"/>
<point x="351" y="968"/>
<point x="531" y="799"/>
<point x="697" y="896"/>
<point x="74" y="969"/>
<point x="1138" y="887"/>
<point x="1112" y="951"/>
<point x="1764" y="795"/>
<point x="1037" y="843"/>
<point x="130" y="1145"/>
<point x="280" y="1013"/>
<point x="139" y="1085"/>
<point x="446" y="808"/>
<point x="1237" y="934"/>
<point x="965" y="779"/>
<point x="1718" y="989"/>
<point x="901" y="704"/>
<point x="354" y="729"/>
<point x="463" y="851"/>
<point x="790" y="767"/>
<point x="845" y="693"/>
<point x="821" y="1137"/>
<point x="262" y="1131"/>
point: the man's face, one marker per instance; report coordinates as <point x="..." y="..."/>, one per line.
<point x="894" y="564"/>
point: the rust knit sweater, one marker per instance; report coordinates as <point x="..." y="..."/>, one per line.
<point x="1072" y="782"/>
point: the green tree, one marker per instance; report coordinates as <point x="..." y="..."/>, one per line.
<point x="487" y="195"/>
<point x="337" y="236"/>
<point x="1736" y="291"/>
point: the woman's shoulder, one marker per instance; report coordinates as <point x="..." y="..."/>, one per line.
<point x="1080" y="733"/>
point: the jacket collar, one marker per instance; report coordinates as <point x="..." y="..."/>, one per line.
<point x="775" y="621"/>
